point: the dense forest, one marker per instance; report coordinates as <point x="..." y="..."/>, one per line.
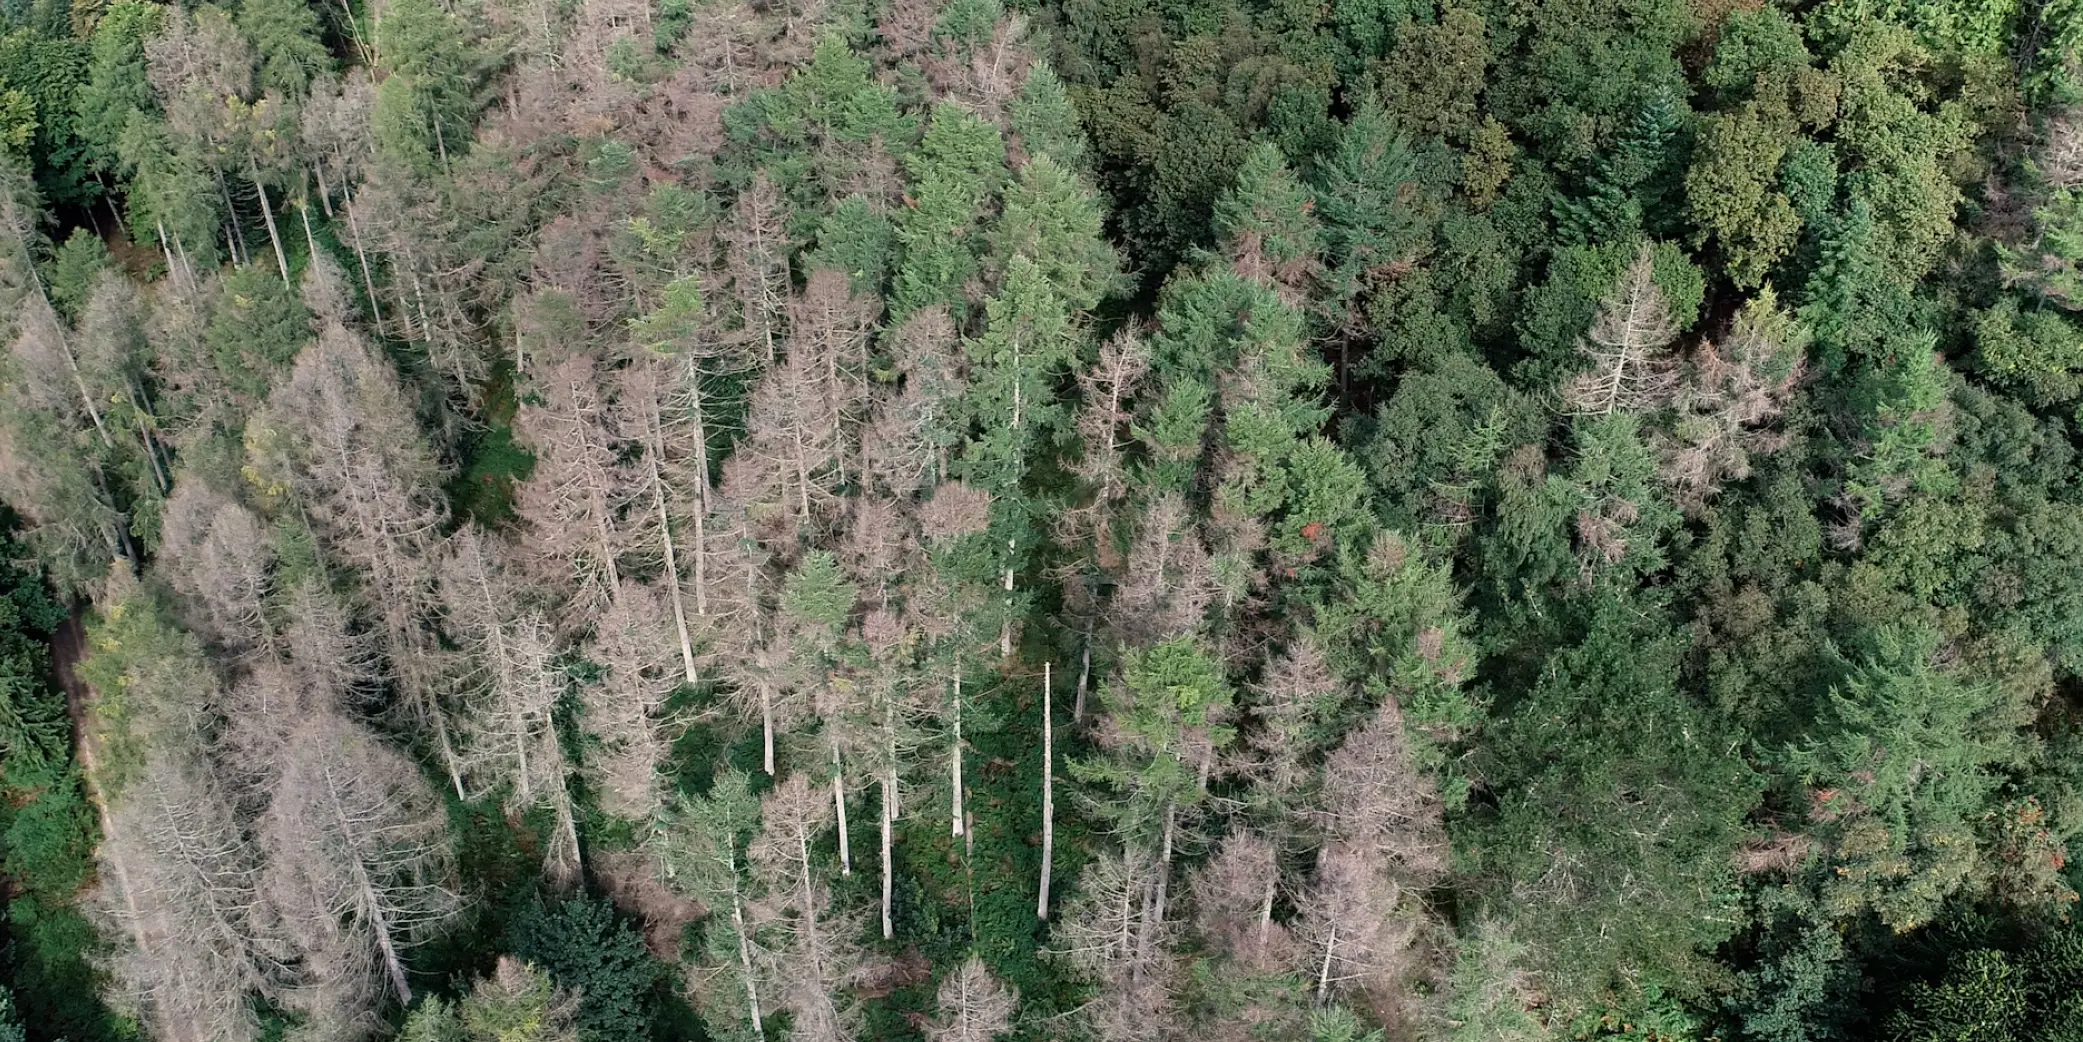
<point x="1041" y="520"/>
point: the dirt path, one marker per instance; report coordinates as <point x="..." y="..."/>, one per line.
<point x="68" y="647"/>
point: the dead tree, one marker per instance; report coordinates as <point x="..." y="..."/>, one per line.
<point x="1630" y="370"/>
<point x="972" y="1006"/>
<point x="630" y="644"/>
<point x="181" y="879"/>
<point x="757" y="239"/>
<point x="358" y="864"/>
<point x="818" y="960"/>
<point x="341" y="437"/>
<point x="513" y="680"/>
<point x="215" y="555"/>
<point x="701" y="851"/>
<point x="573" y="500"/>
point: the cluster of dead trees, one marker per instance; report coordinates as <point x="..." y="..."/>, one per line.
<point x="773" y="491"/>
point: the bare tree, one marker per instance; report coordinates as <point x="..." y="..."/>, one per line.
<point x="48" y="365"/>
<point x="1105" y="933"/>
<point x="115" y="358"/>
<point x="341" y="438"/>
<point x="573" y="500"/>
<point x="972" y="1006"/>
<point x="1630" y="370"/>
<point x="701" y="854"/>
<point x="213" y="552"/>
<point x="181" y="879"/>
<point x="1378" y="801"/>
<point x="1358" y="928"/>
<point x="1233" y="902"/>
<point x="667" y="424"/>
<point x="1169" y="581"/>
<point x="757" y="237"/>
<point x="905" y="444"/>
<point x="514" y="675"/>
<point x="630" y="644"/>
<point x="829" y="325"/>
<point x="1731" y="394"/>
<point x="358" y="864"/>
<point x="819" y="961"/>
<point x="793" y="430"/>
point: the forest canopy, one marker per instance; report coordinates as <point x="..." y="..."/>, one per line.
<point x="1041" y="520"/>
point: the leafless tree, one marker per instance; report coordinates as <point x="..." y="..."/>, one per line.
<point x="573" y="500"/>
<point x="1357" y="927"/>
<point x="215" y="555"/>
<point x="181" y="879"/>
<point x="972" y="1006"/>
<point x="1169" y="581"/>
<point x="630" y="644"/>
<point x="1104" y="932"/>
<point x="906" y="441"/>
<point x="358" y="864"/>
<point x="757" y="238"/>
<point x="513" y="681"/>
<point x="819" y="960"/>
<point x="1630" y="369"/>
<point x="340" y="436"/>
<point x="115" y="358"/>
<point x="701" y="857"/>
<point x="793" y="433"/>
<point x="1234" y="895"/>
<point x="49" y="369"/>
<point x="1376" y="799"/>
<point x="667" y="425"/>
<point x="1729" y="398"/>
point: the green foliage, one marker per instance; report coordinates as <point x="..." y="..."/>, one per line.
<point x="1985" y="993"/>
<point x="1603" y="762"/>
<point x="75" y="268"/>
<point x="585" y="946"/>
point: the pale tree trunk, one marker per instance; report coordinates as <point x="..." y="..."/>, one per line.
<point x="267" y="214"/>
<point x="1041" y="904"/>
<point x="172" y="267"/>
<point x="839" y="805"/>
<point x="672" y="563"/>
<point x="325" y="194"/>
<point x="361" y="256"/>
<point x="1005" y="628"/>
<point x="1077" y="711"/>
<point x="1323" y="976"/>
<point x="701" y="490"/>
<point x="766" y="725"/>
<point x="889" y="821"/>
<point x="955" y="757"/>
<point x="737" y="918"/>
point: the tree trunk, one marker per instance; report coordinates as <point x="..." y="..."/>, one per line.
<point x="1323" y="976"/>
<point x="1041" y="904"/>
<point x="839" y="805"/>
<point x="379" y="923"/>
<point x="672" y="558"/>
<point x="737" y="918"/>
<point x="1077" y="712"/>
<point x="361" y="256"/>
<point x="267" y="214"/>
<point x="701" y="490"/>
<point x="173" y="268"/>
<point x="110" y="203"/>
<point x="889" y="821"/>
<point x="766" y="724"/>
<point x="231" y="224"/>
<point x="325" y="194"/>
<point x="955" y="764"/>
